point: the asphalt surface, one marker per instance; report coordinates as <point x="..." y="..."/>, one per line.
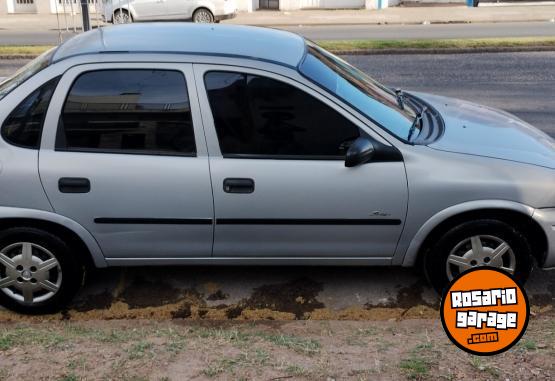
<point x="401" y="32"/>
<point x="521" y="83"/>
<point x="343" y="32"/>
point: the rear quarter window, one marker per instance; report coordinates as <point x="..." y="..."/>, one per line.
<point x="23" y="127"/>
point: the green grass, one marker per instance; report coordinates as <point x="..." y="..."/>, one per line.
<point x="298" y="344"/>
<point x="352" y="45"/>
<point x="16" y="337"/>
<point x="347" y="45"/>
<point x="33" y="50"/>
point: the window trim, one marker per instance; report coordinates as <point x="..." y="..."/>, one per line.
<point x="246" y="71"/>
<point x="115" y="151"/>
<point x="55" y="80"/>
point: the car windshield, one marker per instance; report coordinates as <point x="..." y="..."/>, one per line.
<point x="26" y="72"/>
<point x="369" y="97"/>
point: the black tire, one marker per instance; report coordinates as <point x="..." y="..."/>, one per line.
<point x="205" y="14"/>
<point x="435" y="258"/>
<point x="72" y="270"/>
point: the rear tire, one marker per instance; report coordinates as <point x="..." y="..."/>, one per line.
<point x="488" y="243"/>
<point x="39" y="273"/>
<point x="203" y="16"/>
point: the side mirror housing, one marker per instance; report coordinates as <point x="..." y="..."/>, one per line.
<point x="360" y="152"/>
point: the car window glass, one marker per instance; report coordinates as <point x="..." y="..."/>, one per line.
<point x="23" y="127"/>
<point x="256" y="115"/>
<point x="128" y="111"/>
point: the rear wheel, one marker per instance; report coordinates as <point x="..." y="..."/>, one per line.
<point x="488" y="243"/>
<point x="38" y="271"/>
<point x="203" y="16"/>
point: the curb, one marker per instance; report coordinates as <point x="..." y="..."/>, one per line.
<point x="371" y="52"/>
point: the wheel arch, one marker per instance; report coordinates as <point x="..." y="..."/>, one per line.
<point x="59" y="225"/>
<point x="204" y="6"/>
<point x="124" y="8"/>
<point x="514" y="214"/>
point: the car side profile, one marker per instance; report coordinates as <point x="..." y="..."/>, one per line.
<point x="238" y="145"/>
<point x="198" y="11"/>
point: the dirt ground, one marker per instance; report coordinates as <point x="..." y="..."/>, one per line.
<point x="181" y="349"/>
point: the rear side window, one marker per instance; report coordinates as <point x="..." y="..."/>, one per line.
<point x="263" y="117"/>
<point x="128" y="111"/>
<point x="23" y="127"/>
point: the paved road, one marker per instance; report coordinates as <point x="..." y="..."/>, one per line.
<point x="341" y="32"/>
<point x="388" y="32"/>
<point x="522" y="83"/>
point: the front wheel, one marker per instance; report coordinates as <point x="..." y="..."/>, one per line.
<point x="488" y="243"/>
<point x="203" y="16"/>
<point x="38" y="271"/>
<point x="122" y="16"/>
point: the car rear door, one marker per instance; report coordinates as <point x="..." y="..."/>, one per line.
<point x="123" y="153"/>
<point x="281" y="188"/>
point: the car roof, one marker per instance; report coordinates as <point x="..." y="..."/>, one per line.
<point x="266" y="44"/>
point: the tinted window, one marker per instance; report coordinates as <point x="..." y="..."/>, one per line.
<point x="128" y="111"/>
<point x="23" y="126"/>
<point x="261" y="116"/>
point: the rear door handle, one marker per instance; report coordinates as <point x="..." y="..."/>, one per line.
<point x="74" y="185"/>
<point x="238" y="185"/>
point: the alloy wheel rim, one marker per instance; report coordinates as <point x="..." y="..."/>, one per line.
<point x="203" y="17"/>
<point x="121" y="18"/>
<point x="29" y="273"/>
<point x="480" y="251"/>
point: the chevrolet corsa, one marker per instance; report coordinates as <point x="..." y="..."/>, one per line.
<point x="179" y="144"/>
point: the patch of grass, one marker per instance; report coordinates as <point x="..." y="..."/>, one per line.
<point x="346" y="45"/>
<point x="415" y="368"/>
<point x="18" y="337"/>
<point x="529" y="345"/>
<point x="296" y="370"/>
<point x="23" y="49"/>
<point x="420" y="361"/>
<point x="250" y="359"/>
<point x="298" y="344"/>
<point x="479" y="364"/>
<point x="140" y="350"/>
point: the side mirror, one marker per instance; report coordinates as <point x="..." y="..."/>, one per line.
<point x="361" y="151"/>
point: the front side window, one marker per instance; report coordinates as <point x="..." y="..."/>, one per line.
<point x="23" y="127"/>
<point x="260" y="116"/>
<point x="128" y="111"/>
<point x="363" y="93"/>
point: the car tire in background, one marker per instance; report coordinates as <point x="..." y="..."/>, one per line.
<point x="122" y="16"/>
<point x="39" y="273"/>
<point x="477" y="243"/>
<point x="203" y="16"/>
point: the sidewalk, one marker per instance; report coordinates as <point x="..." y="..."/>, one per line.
<point x="397" y="15"/>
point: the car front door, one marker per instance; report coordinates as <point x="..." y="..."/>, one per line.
<point x="123" y="153"/>
<point x="281" y="188"/>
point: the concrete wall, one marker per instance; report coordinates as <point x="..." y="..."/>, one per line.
<point x="3" y="7"/>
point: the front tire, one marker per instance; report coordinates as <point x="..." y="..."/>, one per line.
<point x="122" y="16"/>
<point x="203" y="16"/>
<point x="39" y="273"/>
<point x="488" y="243"/>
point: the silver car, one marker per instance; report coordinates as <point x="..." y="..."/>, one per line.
<point x="199" y="11"/>
<point x="247" y="146"/>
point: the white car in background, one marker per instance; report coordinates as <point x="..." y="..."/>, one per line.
<point x="199" y="11"/>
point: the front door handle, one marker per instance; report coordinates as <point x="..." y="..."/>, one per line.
<point x="74" y="185"/>
<point x="238" y="185"/>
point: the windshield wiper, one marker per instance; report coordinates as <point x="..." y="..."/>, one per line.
<point x="400" y="98"/>
<point x="417" y="122"/>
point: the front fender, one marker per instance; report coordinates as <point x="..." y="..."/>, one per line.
<point x="408" y="253"/>
<point x="40" y="215"/>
